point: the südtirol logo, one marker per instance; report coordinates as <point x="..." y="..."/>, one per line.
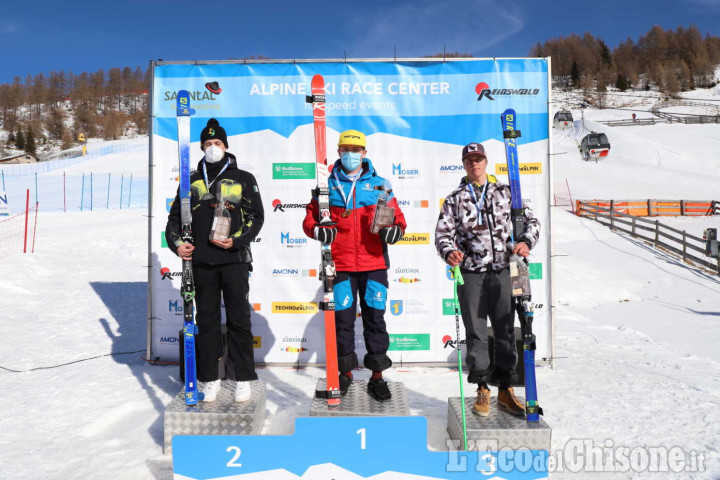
<point x="484" y="91"/>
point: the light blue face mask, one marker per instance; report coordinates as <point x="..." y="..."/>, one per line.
<point x="351" y="160"/>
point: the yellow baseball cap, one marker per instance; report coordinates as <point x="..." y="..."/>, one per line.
<point x="352" y="137"/>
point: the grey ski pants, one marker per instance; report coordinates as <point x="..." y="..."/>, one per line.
<point x="488" y="294"/>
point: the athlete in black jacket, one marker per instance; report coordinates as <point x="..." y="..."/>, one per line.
<point x="222" y="265"/>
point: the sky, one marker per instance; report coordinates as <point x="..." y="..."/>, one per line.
<point x="47" y="35"/>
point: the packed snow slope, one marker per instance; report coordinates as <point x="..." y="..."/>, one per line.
<point x="636" y="332"/>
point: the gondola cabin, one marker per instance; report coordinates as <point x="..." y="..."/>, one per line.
<point x="562" y="119"/>
<point x="595" y="146"/>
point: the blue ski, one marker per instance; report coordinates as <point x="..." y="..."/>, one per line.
<point x="523" y="304"/>
<point x="187" y="286"/>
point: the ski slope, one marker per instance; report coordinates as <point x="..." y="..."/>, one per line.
<point x="636" y="331"/>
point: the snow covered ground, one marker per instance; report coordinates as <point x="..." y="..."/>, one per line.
<point x="636" y="331"/>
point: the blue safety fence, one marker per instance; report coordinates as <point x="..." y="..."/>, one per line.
<point x="77" y="192"/>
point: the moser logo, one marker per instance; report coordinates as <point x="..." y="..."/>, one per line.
<point x="400" y="172"/>
<point x="413" y="203"/>
<point x="167" y="274"/>
<point x="293" y="272"/>
<point x="294" y="307"/>
<point x="293" y="171"/>
<point x="175" y="307"/>
<point x="279" y="206"/>
<point x="414" y="239"/>
<point x="484" y="91"/>
<point x="292" y="348"/>
<point x="450" y="342"/>
<point x="524" y="168"/>
<point x="451" y="168"/>
<point x="290" y="242"/>
<point x="409" y="341"/>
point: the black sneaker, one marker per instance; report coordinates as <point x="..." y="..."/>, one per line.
<point x="345" y="383"/>
<point x="378" y="389"/>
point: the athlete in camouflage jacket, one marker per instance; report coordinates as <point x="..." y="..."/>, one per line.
<point x="474" y="231"/>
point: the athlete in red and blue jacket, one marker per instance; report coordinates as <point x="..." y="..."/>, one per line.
<point x="361" y="258"/>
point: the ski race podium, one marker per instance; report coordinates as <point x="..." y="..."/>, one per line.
<point x="499" y="430"/>
<point x="222" y="417"/>
<point x="357" y="403"/>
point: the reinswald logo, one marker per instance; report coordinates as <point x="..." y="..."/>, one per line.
<point x="484" y="90"/>
<point x="278" y="205"/>
<point x="291" y="242"/>
<point x="449" y="342"/>
<point x="400" y="172"/>
<point x="167" y="274"/>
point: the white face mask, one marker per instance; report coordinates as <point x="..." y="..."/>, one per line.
<point x="214" y="154"/>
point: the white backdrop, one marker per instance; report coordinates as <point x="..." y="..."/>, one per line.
<point x="417" y="116"/>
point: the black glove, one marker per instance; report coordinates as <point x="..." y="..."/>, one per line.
<point x="391" y="234"/>
<point x="325" y="235"/>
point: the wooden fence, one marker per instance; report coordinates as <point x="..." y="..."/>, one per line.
<point x="671" y="239"/>
<point x="657" y="208"/>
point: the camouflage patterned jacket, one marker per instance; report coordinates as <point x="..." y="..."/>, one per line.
<point x="484" y="244"/>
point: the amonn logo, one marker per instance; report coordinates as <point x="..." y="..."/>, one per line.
<point x="484" y="90"/>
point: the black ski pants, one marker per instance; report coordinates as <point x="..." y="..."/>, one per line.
<point x="488" y="294"/>
<point x="372" y="287"/>
<point x="231" y="281"/>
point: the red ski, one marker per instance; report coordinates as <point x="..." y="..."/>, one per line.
<point x="327" y="266"/>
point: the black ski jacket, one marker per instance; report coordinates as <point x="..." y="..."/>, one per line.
<point x="236" y="187"/>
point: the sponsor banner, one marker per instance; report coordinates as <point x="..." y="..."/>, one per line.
<point x="417" y="116"/>
<point x="409" y="341"/>
<point x="414" y="239"/>
<point x="525" y="169"/>
<point x="293" y="171"/>
<point x="294" y="307"/>
<point x="4" y="205"/>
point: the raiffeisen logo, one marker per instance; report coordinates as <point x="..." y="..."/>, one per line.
<point x="278" y="205"/>
<point x="484" y="90"/>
